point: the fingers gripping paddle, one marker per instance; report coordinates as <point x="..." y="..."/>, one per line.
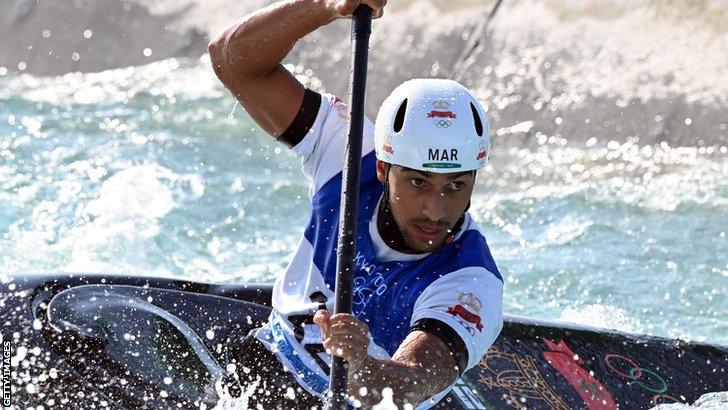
<point x="360" y="28"/>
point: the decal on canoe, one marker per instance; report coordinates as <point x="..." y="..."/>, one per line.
<point x="520" y="377"/>
<point x="571" y="366"/>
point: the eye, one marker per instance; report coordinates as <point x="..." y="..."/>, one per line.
<point x="417" y="182"/>
<point x="456" y="185"/>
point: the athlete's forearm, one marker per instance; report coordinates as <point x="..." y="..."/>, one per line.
<point x="257" y="43"/>
<point x="410" y="381"/>
<point x="405" y="380"/>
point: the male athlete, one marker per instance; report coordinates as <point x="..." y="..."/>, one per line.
<point x="427" y="293"/>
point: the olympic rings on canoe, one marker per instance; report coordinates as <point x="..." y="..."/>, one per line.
<point x="635" y="372"/>
<point x="658" y="399"/>
<point x="629" y="361"/>
<point x="641" y="370"/>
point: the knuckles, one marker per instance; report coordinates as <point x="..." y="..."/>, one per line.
<point x="346" y="8"/>
<point x="343" y="334"/>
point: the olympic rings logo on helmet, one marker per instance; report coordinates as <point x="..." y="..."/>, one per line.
<point x="442" y="123"/>
<point x="635" y="373"/>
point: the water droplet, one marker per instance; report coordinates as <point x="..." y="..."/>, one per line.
<point x="30" y="388"/>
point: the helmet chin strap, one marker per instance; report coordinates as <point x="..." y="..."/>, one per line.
<point x="390" y="230"/>
<point x="388" y="227"/>
<point x="459" y="224"/>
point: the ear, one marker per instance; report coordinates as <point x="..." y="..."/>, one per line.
<point x="381" y="171"/>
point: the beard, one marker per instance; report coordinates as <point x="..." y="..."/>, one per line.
<point x="433" y="246"/>
<point x="399" y="239"/>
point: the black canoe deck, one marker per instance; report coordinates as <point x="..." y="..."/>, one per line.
<point x="95" y="340"/>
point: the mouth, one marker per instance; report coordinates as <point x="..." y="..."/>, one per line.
<point x="428" y="234"/>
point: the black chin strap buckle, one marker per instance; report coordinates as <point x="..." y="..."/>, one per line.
<point x="458" y="225"/>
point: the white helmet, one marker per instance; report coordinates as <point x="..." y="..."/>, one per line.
<point x="432" y="125"/>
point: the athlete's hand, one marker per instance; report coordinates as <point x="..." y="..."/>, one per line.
<point x="345" y="8"/>
<point x="344" y="336"/>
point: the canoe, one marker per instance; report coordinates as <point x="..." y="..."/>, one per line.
<point x="94" y="340"/>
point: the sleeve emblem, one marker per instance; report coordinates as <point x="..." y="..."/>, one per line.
<point x="468" y="304"/>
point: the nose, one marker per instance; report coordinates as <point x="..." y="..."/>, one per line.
<point x="435" y="207"/>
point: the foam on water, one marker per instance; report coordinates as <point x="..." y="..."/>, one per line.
<point x="708" y="401"/>
<point x="602" y="316"/>
<point x="87" y="187"/>
<point x="620" y="235"/>
<point x="168" y="78"/>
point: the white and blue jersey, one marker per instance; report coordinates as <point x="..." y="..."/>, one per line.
<point x="455" y="293"/>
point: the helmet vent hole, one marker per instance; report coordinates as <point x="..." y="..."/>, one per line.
<point x="478" y="122"/>
<point x="399" y="118"/>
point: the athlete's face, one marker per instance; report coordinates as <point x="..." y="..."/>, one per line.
<point x="426" y="205"/>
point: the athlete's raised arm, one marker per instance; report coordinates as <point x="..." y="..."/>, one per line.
<point x="247" y="56"/>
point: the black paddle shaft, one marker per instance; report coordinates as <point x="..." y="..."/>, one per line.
<point x="360" y="29"/>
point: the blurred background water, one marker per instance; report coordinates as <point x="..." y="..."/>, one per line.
<point x="154" y="170"/>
